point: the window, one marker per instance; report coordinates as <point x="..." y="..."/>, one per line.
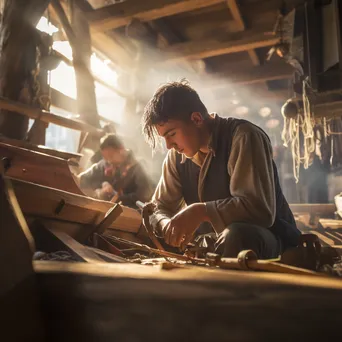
<point x="109" y="104"/>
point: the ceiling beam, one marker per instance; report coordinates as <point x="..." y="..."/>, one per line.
<point x="122" y="14"/>
<point x="236" y="14"/>
<point x="254" y="57"/>
<point x="196" y="50"/>
<point x="240" y="23"/>
<point x="101" y="42"/>
<point x="251" y="75"/>
<point x="167" y="37"/>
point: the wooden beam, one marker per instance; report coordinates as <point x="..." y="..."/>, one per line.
<point x="38" y="167"/>
<point x="240" y="23"/>
<point x="122" y="14"/>
<point x="96" y="78"/>
<point x="37" y="113"/>
<point x="85" y="83"/>
<point x="53" y="204"/>
<point x="78" y="250"/>
<point x="42" y="149"/>
<point x="254" y="75"/>
<point x="167" y="37"/>
<point x="111" y="49"/>
<point x="103" y="44"/>
<point x="254" y="57"/>
<point x="236" y="14"/>
<point x="204" y="49"/>
<point x="68" y="104"/>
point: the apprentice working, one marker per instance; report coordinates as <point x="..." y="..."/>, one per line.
<point x="218" y="171"/>
<point x="118" y="176"/>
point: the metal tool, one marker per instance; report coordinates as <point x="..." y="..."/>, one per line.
<point x="147" y="210"/>
<point x="151" y="250"/>
<point x="248" y="261"/>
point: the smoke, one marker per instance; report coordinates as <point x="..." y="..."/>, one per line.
<point x="219" y="93"/>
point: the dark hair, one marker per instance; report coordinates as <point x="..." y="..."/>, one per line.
<point x="110" y="140"/>
<point x="174" y="100"/>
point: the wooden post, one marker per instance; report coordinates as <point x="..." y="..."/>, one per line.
<point x="86" y="97"/>
<point x="78" y="34"/>
<point x="37" y="133"/>
<point x="18" y="48"/>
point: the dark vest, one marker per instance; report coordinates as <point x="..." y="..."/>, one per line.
<point x="284" y="226"/>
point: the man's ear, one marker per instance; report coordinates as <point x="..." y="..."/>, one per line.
<point x="197" y="118"/>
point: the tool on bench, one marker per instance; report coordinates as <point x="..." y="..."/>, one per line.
<point x="248" y="261"/>
<point x="151" y="250"/>
<point x="147" y="211"/>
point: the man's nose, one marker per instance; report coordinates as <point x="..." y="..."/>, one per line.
<point x="169" y="145"/>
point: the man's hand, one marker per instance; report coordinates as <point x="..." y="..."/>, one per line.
<point x="180" y="228"/>
<point x="107" y="188"/>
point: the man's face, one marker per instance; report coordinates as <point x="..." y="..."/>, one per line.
<point x="113" y="156"/>
<point x="183" y="136"/>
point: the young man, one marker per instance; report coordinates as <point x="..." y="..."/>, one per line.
<point x="218" y="171"/>
<point x="118" y="177"/>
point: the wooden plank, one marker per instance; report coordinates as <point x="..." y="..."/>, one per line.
<point x="41" y="149"/>
<point x="111" y="215"/>
<point x="80" y="251"/>
<point x="48" y="117"/>
<point x="323" y="208"/>
<point x="108" y="256"/>
<point x="122" y="14"/>
<point x="38" y="168"/>
<point x="329" y="223"/>
<point x="45" y="202"/>
<point x="248" y="40"/>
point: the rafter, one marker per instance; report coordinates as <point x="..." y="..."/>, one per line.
<point x="252" y="75"/>
<point x="240" y="23"/>
<point x="248" y="40"/>
<point x="101" y="42"/>
<point x="122" y="14"/>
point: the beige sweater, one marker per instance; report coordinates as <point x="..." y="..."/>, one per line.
<point x="251" y="183"/>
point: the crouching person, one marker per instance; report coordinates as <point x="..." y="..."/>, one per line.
<point x="218" y="171"/>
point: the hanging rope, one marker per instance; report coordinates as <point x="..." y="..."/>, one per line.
<point x="296" y="124"/>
